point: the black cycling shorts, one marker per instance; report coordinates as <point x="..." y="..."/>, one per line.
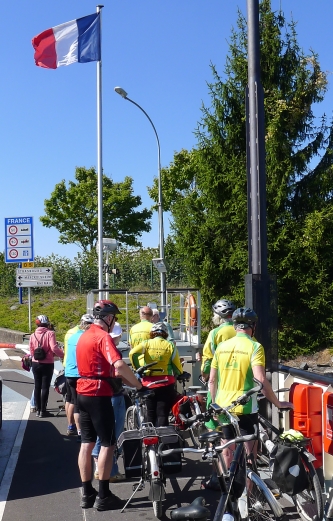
<point x="246" y="424"/>
<point x="96" y="419"/>
<point x="71" y="394"/>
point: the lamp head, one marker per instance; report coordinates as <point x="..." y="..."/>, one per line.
<point x="121" y="91"/>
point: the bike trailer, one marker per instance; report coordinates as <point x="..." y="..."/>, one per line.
<point x="131" y="443"/>
<point x="171" y="464"/>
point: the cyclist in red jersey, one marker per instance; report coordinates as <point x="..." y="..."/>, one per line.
<point x="98" y="359"/>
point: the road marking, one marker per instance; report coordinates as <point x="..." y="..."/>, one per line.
<point x="12" y="462"/>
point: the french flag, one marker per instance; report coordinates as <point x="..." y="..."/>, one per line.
<point x="71" y="42"/>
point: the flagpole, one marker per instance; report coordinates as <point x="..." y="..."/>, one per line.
<point x="99" y="161"/>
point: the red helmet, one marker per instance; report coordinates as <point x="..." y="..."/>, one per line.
<point x="102" y="308"/>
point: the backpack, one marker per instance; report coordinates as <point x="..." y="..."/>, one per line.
<point x="59" y="383"/>
<point x="39" y="353"/>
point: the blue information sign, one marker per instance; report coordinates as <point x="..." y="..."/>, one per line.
<point x="19" y="245"/>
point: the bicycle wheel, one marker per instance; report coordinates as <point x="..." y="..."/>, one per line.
<point x="309" y="503"/>
<point x="158" y="509"/>
<point x="262" y="505"/>
<point x="131" y="421"/>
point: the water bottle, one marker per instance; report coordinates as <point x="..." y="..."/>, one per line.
<point x="269" y="445"/>
<point x="227" y="517"/>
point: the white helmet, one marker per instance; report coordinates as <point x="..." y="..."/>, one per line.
<point x="42" y="320"/>
<point x="89" y="319"/>
<point x="159" y="327"/>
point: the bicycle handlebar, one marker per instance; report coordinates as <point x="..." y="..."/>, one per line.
<point x="142" y="369"/>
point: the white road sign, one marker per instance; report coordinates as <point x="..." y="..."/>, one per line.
<point x="33" y="283"/>
<point x="33" y="271"/>
<point x="36" y="276"/>
<point x="19" y="239"/>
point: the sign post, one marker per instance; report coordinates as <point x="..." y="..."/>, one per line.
<point x="33" y="278"/>
<point x="19" y="239"/>
<point x="19" y="242"/>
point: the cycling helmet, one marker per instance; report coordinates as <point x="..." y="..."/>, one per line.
<point x="244" y="317"/>
<point x="224" y="308"/>
<point x="102" y="308"/>
<point x="159" y="327"/>
<point x="42" y="320"/>
<point x="89" y="319"/>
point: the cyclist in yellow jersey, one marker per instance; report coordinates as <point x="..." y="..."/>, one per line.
<point x="141" y="331"/>
<point x="223" y="310"/>
<point x="236" y="362"/>
<point x="158" y="349"/>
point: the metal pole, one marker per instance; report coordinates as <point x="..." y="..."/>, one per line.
<point x="107" y="278"/>
<point x="100" y="163"/>
<point x="29" y="307"/>
<point x="258" y="227"/>
<point x="160" y="207"/>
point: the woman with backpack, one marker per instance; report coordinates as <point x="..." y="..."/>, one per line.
<point x="43" y="348"/>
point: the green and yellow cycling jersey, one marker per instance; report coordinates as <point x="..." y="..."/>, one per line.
<point x="234" y="360"/>
<point x="157" y="350"/>
<point x="215" y="337"/>
<point x="139" y="332"/>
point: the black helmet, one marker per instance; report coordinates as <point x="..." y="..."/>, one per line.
<point x="224" y="308"/>
<point x="244" y="317"/>
<point x="102" y="308"/>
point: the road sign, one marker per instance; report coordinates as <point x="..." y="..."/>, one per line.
<point x="36" y="276"/>
<point x="19" y="239"/>
<point x="33" y="283"/>
<point x="33" y="271"/>
<point x="28" y="264"/>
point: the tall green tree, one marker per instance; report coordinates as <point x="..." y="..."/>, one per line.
<point x="73" y="211"/>
<point x="206" y="188"/>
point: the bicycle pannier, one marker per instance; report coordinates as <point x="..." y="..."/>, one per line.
<point x="183" y="406"/>
<point x="171" y="464"/>
<point x="288" y="470"/>
<point x="131" y="442"/>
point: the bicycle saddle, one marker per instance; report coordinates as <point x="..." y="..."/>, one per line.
<point x="210" y="437"/>
<point x="184" y="376"/>
<point x="195" y="510"/>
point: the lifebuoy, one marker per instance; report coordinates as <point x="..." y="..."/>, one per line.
<point x="191" y="312"/>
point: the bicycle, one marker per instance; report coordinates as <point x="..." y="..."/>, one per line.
<point x="140" y="449"/>
<point x="239" y="498"/>
<point x="136" y="414"/>
<point x="308" y="502"/>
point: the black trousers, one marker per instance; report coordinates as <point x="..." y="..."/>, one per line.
<point x="43" y="376"/>
<point x="159" y="405"/>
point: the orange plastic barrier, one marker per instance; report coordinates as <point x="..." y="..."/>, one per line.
<point x="328" y="422"/>
<point x="306" y="416"/>
<point x="7" y="346"/>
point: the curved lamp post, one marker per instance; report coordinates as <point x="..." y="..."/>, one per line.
<point x="159" y="263"/>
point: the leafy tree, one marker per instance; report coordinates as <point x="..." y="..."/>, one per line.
<point x="73" y="211"/>
<point x="206" y="188"/>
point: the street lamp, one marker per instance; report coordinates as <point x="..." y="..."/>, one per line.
<point x="123" y="94"/>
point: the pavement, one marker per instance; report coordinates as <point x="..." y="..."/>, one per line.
<point x="39" y="476"/>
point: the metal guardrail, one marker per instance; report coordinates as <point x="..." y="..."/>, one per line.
<point x="306" y="375"/>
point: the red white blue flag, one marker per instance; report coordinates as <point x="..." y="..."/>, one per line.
<point x="71" y="42"/>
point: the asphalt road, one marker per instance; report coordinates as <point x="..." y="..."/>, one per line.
<point x="39" y="473"/>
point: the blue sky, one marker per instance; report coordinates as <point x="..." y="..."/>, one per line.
<point x="159" y="51"/>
